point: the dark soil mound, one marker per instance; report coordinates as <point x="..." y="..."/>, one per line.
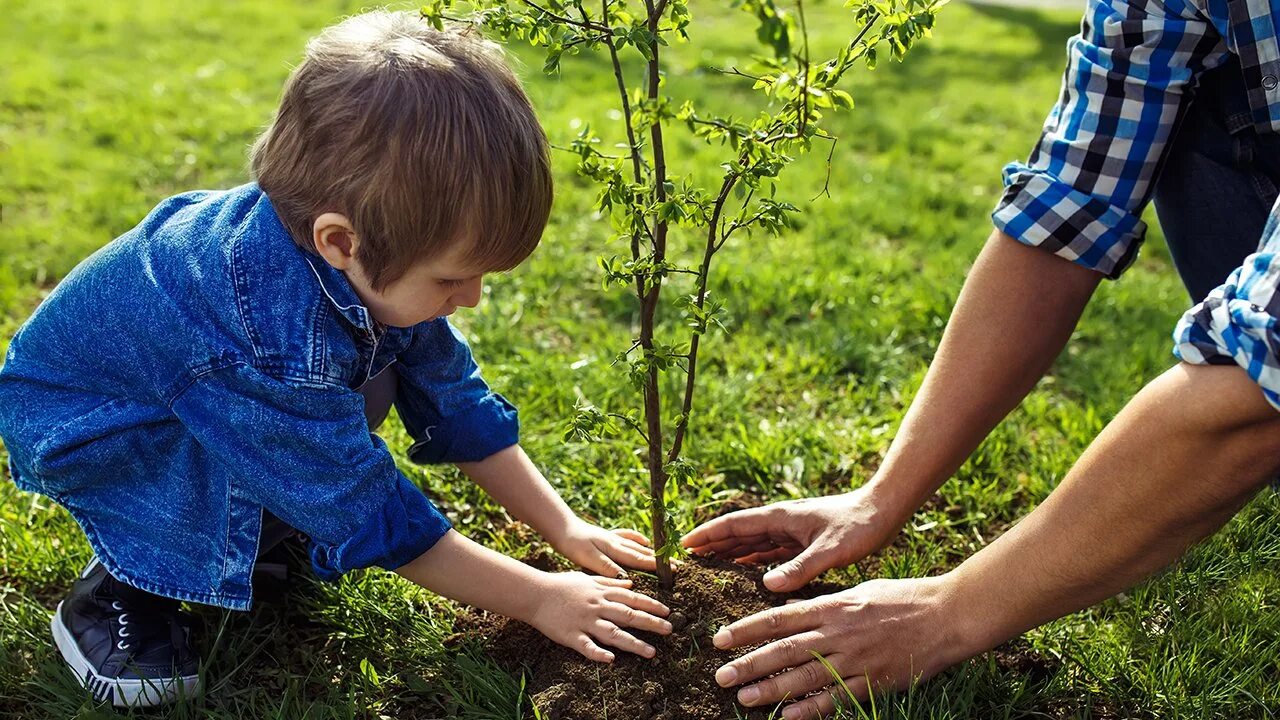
<point x="678" y="684"/>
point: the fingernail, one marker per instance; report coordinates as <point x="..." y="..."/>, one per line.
<point x="668" y="627"/>
<point x="608" y="657"/>
<point x="622" y="575"/>
<point x="748" y="696"/>
<point x="722" y="638"/>
<point x="726" y="676"/>
<point x="774" y="579"/>
<point x="649" y="651"/>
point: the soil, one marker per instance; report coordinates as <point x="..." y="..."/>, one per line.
<point x="677" y="684"/>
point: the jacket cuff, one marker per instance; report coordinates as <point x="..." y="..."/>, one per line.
<point x="406" y="526"/>
<point x="1039" y="210"/>
<point x="482" y="430"/>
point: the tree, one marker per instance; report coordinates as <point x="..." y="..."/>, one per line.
<point x="645" y="198"/>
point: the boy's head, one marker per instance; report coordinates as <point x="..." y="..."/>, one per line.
<point x="409" y="158"/>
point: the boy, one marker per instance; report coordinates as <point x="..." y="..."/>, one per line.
<point x="222" y="364"/>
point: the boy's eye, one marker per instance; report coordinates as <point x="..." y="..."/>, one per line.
<point x="451" y="283"/>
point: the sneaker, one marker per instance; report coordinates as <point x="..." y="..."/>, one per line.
<point x="126" y="646"/>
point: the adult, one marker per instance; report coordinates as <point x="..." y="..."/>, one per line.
<point x="1176" y="98"/>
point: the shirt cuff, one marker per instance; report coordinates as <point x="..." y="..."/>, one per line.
<point x="406" y="526"/>
<point x="1236" y="324"/>
<point x="482" y="430"/>
<point x="1039" y="210"/>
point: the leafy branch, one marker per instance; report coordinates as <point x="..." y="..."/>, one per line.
<point x="645" y="203"/>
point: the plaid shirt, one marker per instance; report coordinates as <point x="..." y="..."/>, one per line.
<point x="1237" y="322"/>
<point x="1082" y="191"/>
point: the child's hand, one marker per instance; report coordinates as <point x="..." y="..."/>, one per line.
<point x="603" y="551"/>
<point x="583" y="612"/>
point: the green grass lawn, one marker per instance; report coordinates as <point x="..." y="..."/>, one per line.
<point x="108" y="107"/>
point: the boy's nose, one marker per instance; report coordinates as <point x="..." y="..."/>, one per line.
<point x="469" y="294"/>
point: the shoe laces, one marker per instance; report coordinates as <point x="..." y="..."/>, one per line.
<point x="135" y="627"/>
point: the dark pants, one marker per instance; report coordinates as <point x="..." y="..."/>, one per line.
<point x="1218" y="184"/>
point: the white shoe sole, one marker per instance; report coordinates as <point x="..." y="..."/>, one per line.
<point x="121" y="692"/>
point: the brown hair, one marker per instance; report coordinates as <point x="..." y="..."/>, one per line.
<point x="423" y="138"/>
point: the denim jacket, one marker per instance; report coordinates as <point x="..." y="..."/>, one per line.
<point x="201" y="368"/>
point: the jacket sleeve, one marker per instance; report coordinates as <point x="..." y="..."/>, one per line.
<point x="445" y="405"/>
<point x="306" y="454"/>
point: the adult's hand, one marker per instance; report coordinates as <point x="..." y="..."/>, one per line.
<point x="807" y="536"/>
<point x="1128" y="507"/>
<point x="882" y="635"/>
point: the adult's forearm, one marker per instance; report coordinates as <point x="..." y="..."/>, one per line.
<point x="1173" y="467"/>
<point x="1015" y="313"/>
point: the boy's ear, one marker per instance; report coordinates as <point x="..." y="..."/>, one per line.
<point x="335" y="239"/>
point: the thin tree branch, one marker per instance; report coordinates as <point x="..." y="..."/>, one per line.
<point x="826" y="183"/>
<point x="584" y="23"/>
<point x="636" y="166"/>
<point x="632" y="424"/>
<point x="655" y="13"/>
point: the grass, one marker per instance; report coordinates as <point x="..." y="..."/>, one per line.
<point x="105" y="108"/>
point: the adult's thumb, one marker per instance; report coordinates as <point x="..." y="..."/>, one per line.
<point x="798" y="571"/>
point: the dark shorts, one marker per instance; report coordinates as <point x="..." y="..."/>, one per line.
<point x="1218" y="184"/>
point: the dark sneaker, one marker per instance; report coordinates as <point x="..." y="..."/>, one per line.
<point x="125" y="645"/>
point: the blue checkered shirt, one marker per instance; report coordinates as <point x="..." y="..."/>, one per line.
<point x="1128" y="83"/>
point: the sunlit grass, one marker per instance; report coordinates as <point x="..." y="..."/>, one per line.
<point x="105" y="108"/>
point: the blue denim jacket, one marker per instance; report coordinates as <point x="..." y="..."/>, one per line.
<point x="202" y="367"/>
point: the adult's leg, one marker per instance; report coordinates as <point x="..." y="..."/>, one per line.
<point x="1218" y="184"/>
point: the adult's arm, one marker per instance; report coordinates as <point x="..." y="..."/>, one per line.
<point x="1079" y="196"/>
<point x="1171" y="468"/>
<point x="1015" y="313"/>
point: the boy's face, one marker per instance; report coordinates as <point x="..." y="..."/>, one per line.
<point x="429" y="290"/>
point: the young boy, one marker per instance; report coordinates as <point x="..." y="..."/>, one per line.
<point x="222" y="364"/>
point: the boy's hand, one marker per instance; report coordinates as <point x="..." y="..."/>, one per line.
<point x="602" y="551"/>
<point x="583" y="612"/>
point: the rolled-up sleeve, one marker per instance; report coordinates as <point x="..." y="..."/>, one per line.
<point x="1081" y="193"/>
<point x="1237" y="322"/>
<point x="445" y="404"/>
<point x="306" y="454"/>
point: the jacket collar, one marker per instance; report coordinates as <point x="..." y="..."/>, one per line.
<point x="338" y="289"/>
<point x="333" y="283"/>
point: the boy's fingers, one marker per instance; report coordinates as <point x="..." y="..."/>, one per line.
<point x="638" y="601"/>
<point x="590" y="650"/>
<point x="606" y="566"/>
<point x="642" y="549"/>
<point x="633" y="536"/>
<point x="636" y="559"/>
<point x="612" y="582"/>
<point x="630" y="617"/>
<point x="614" y="636"/>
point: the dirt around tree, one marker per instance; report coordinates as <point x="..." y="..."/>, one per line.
<point x="677" y="684"/>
